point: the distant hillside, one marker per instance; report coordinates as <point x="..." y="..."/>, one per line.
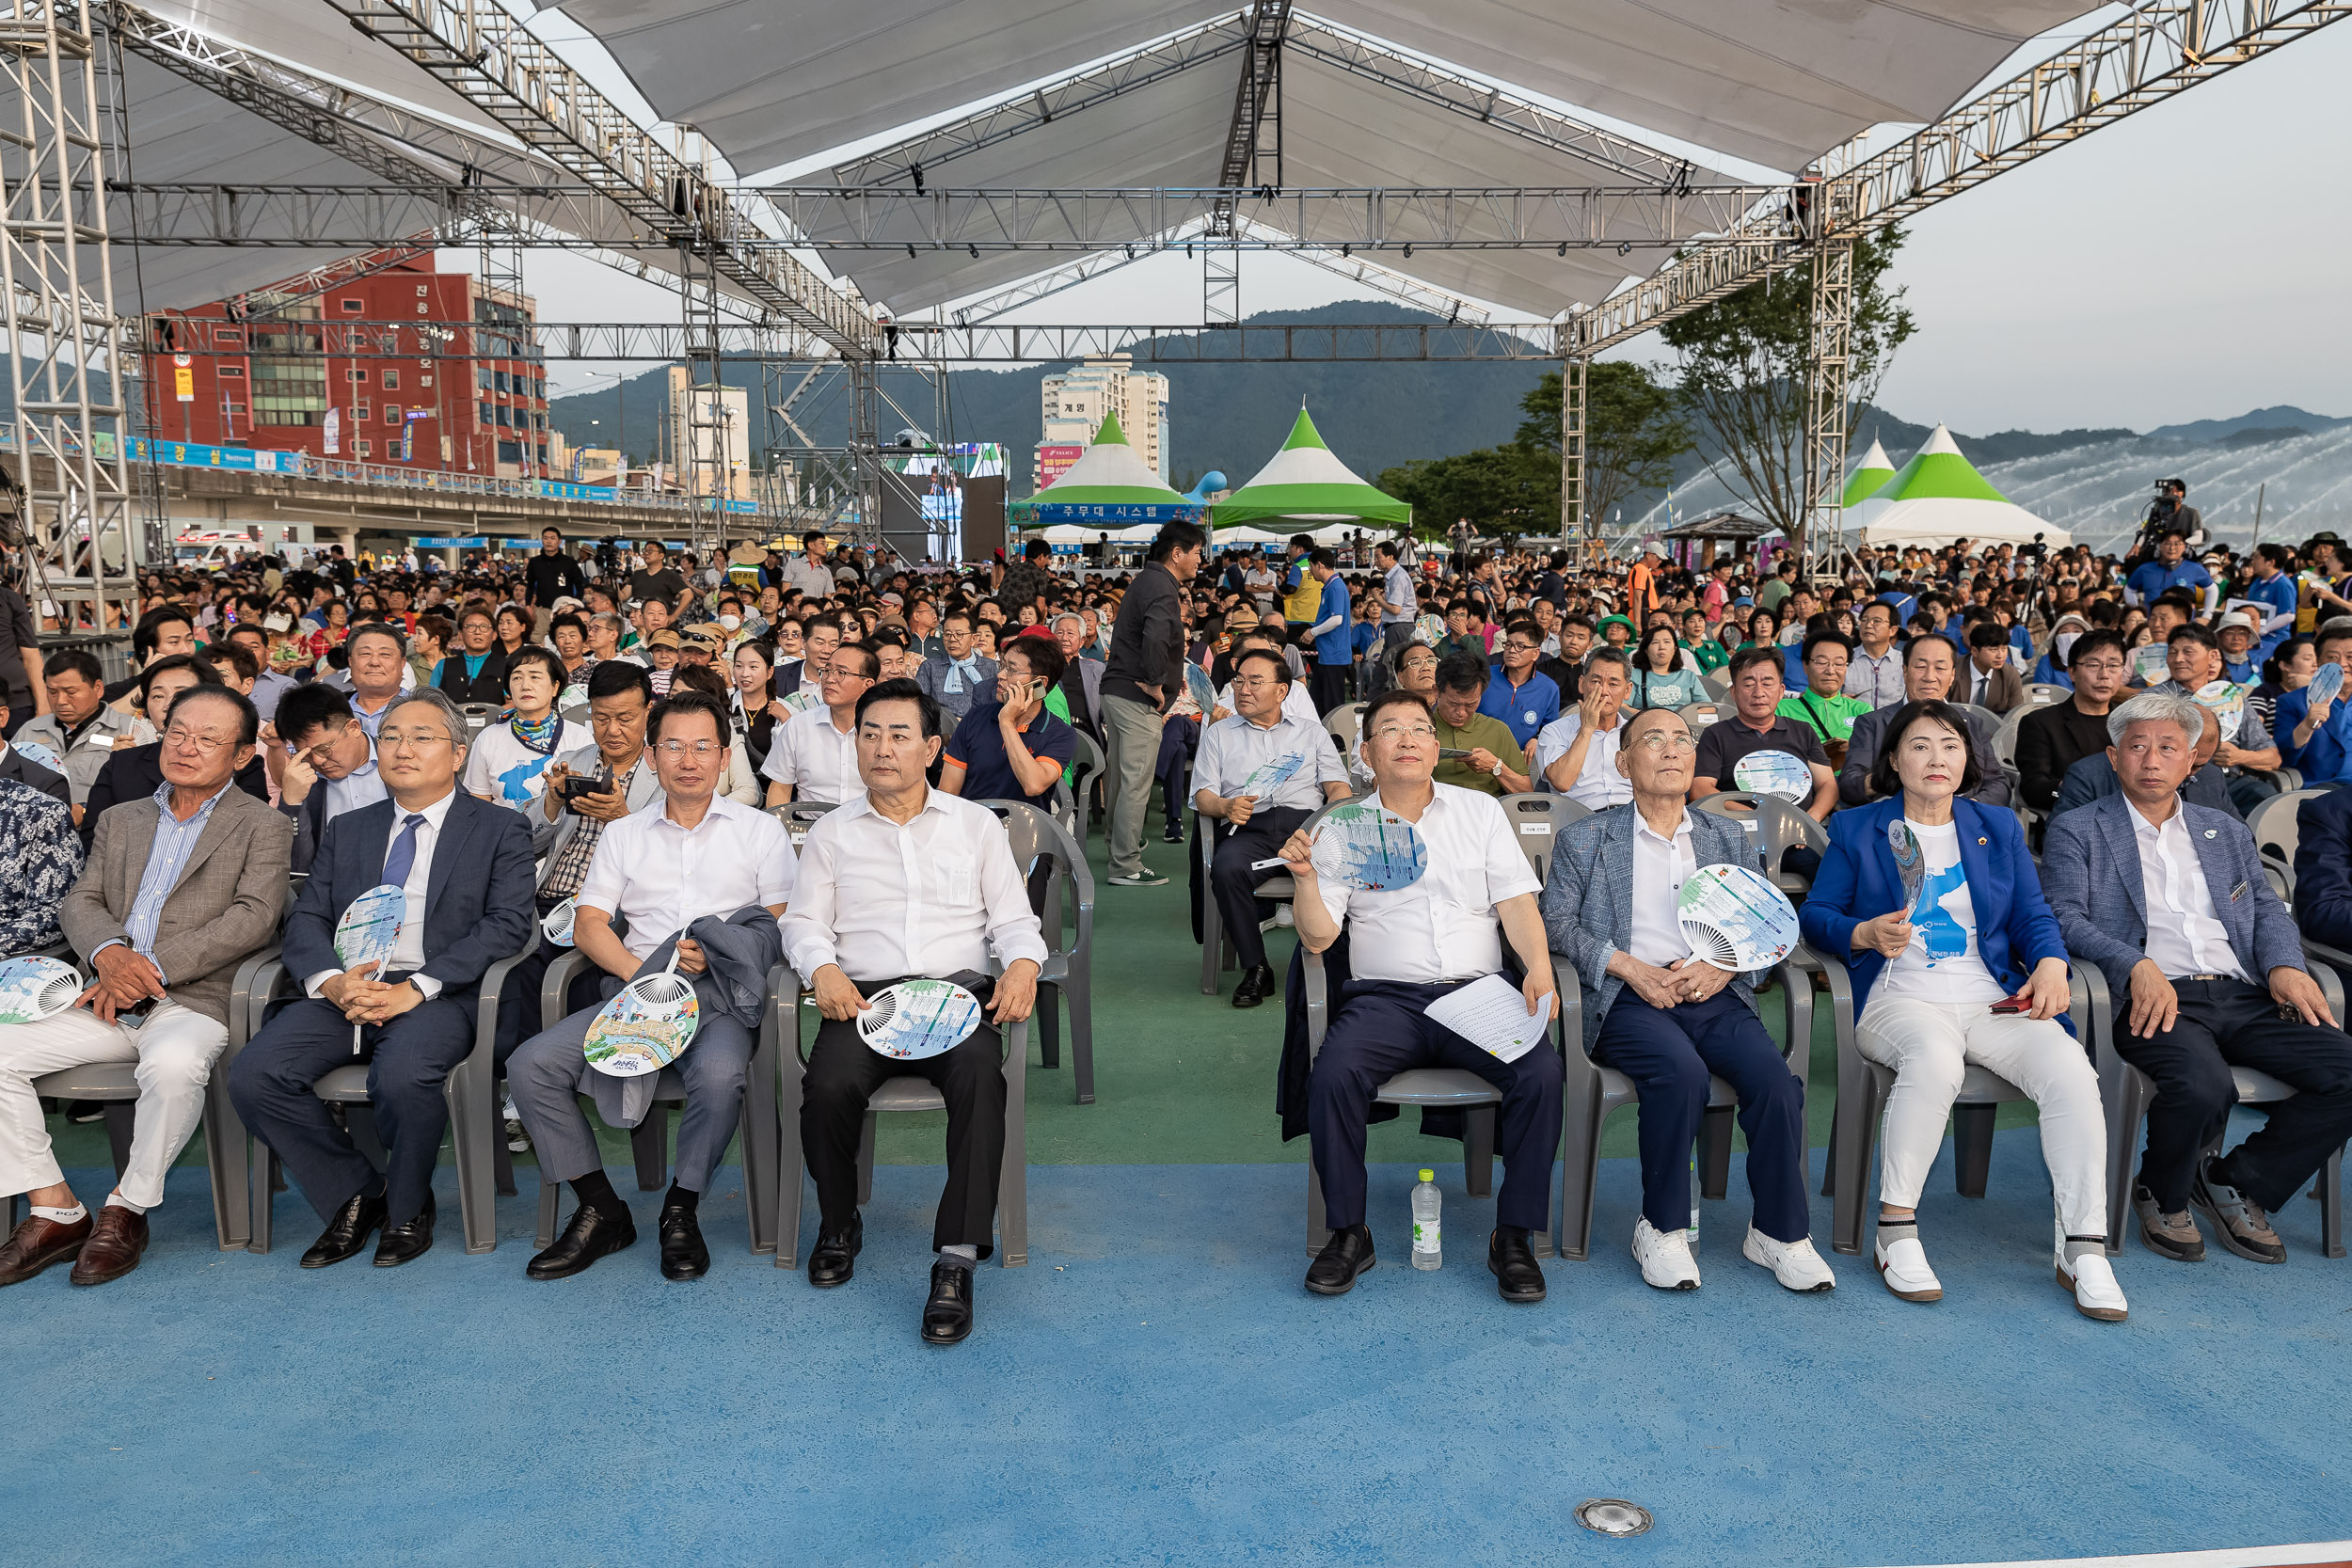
<point x="2284" y="417"/>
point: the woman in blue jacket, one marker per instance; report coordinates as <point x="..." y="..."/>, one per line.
<point x="1927" y="976"/>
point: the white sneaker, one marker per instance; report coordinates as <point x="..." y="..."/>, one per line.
<point x="1903" y="1265"/>
<point x="2092" y="1282"/>
<point x="1795" y="1265"/>
<point x="1665" y="1257"/>
<point x="1283" y="914"/>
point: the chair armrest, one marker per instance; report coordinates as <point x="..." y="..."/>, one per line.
<point x="1083" y="881"/>
<point x="2331" y="960"/>
<point x="485" y="1012"/>
<point x="1318" y="1003"/>
<point x="557" y="983"/>
<point x="244" y="1009"/>
<point x="1809" y="960"/>
<point x="1571" y="988"/>
<point x="1796" y="990"/>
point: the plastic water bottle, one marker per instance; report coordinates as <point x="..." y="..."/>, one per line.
<point x="1425" y="1227"/>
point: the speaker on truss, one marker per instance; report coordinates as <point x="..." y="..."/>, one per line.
<point x="903" y="527"/>
<point x="983" y="516"/>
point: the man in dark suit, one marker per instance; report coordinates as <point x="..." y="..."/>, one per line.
<point x="2169" y="900"/>
<point x="2323" y="868"/>
<point x="1930" y="665"/>
<point x="466" y="867"/>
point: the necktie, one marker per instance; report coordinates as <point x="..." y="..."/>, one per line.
<point x="403" y="859"/>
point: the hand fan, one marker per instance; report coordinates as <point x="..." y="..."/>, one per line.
<point x="916" y="1018"/>
<point x="35" y="989"/>
<point x="557" y="926"/>
<point x="646" y="1025"/>
<point x="1368" y="848"/>
<point x="1198" y="687"/>
<point x="368" y="932"/>
<point x="2148" y="663"/>
<point x="1430" y="629"/>
<point x="2226" y="701"/>
<point x="1774" y="772"/>
<point x="800" y="702"/>
<point x="1267" y="776"/>
<point x="1911" y="864"/>
<point x="1735" y="918"/>
<point x="33" y="750"/>
<point x="2326" y="684"/>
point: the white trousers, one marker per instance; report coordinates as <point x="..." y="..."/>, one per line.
<point x="1930" y="1045"/>
<point x="172" y="1060"/>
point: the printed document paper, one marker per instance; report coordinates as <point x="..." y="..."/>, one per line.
<point x="1492" y="1015"/>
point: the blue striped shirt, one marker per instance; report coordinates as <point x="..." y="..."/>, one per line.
<point x="167" y="857"/>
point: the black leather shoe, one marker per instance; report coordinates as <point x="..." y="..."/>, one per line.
<point x="590" y="1235"/>
<point x="1257" y="984"/>
<point x="346" y="1233"/>
<point x="683" y="1255"/>
<point x="948" y="1316"/>
<point x="401" y="1242"/>
<point x="1347" y="1254"/>
<point x="834" y="1258"/>
<point x="1512" y="1262"/>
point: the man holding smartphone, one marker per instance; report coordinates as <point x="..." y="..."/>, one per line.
<point x="1012" y="749"/>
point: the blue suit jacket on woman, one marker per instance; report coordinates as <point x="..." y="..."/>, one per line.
<point x="2015" y="929"/>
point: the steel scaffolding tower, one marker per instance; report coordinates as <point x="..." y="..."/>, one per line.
<point x="70" y="357"/>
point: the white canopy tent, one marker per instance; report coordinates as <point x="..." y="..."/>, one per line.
<point x="1938" y="497"/>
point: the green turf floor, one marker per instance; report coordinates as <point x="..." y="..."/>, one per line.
<point x="1179" y="1078"/>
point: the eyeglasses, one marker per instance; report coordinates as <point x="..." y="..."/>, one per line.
<point x="1252" y="683"/>
<point x="1405" y="732"/>
<point x="204" y="744"/>
<point x="402" y="741"/>
<point x="677" y="749"/>
<point x="1518" y="647"/>
<point x="1666" y="740"/>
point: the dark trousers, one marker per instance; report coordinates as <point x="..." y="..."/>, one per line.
<point x="1234" y="885"/>
<point x="408" y="1060"/>
<point x="1669" y="1052"/>
<point x="1179" y="738"/>
<point x="2226" y="1023"/>
<point x="1379" y="1029"/>
<point x="17" y="719"/>
<point x="843" y="1074"/>
<point x="1329" y="685"/>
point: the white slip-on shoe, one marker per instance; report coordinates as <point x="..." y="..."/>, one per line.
<point x="2092" y="1282"/>
<point x="1795" y="1265"/>
<point x="1903" y="1263"/>
<point x="1665" y="1257"/>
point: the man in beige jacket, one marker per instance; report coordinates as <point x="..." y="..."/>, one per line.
<point x="180" y="889"/>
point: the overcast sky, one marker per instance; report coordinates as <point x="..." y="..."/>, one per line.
<point x="2187" y="263"/>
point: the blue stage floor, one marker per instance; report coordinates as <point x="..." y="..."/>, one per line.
<point x="1156" y="1387"/>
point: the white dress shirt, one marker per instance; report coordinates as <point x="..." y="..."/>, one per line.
<point x="1297" y="701"/>
<point x="2184" y="933"/>
<point x="663" y="876"/>
<point x="408" y="951"/>
<point x="886" y="901"/>
<point x="1599" y="784"/>
<point x="361" y="787"/>
<point x="819" y="761"/>
<point x="1444" y="926"/>
<point x="1232" y="749"/>
<point x="1659" y="866"/>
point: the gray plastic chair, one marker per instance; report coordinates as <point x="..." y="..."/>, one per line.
<point x="1596" y="1093"/>
<point x="2127" y="1093"/>
<point x="1450" y="1088"/>
<point x="1215" y="952"/>
<point x="798" y="817"/>
<point x="903" y="1093"/>
<point x="1088" y="759"/>
<point x="469" y="1092"/>
<point x="1717" y="684"/>
<point x="1068" y="973"/>
<point x="1345" y="724"/>
<point x="649" y="1140"/>
<point x="2277" y="831"/>
<point x="1863" y="1085"/>
<point x="1699" y="715"/>
<point x="1536" y="821"/>
<point x="1778" y="828"/>
<point x="114" y="1085"/>
<point x="2044" y="693"/>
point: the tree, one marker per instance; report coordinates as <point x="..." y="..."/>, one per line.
<point x="1509" y="490"/>
<point x="1633" y="431"/>
<point x="1743" y="362"/>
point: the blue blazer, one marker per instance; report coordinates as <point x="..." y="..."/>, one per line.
<point x="479" y="903"/>
<point x="2323" y="868"/>
<point x="2015" y="929"/>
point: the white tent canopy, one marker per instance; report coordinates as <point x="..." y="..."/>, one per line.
<point x="1937" y="497"/>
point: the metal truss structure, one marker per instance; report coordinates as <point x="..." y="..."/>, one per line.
<point x="70" y="370"/>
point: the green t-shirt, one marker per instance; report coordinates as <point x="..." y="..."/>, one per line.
<point x="1831" y="718"/>
<point x="1709" y="654"/>
<point x="1769" y="595"/>
<point x="1483" y="730"/>
<point x="1058" y="705"/>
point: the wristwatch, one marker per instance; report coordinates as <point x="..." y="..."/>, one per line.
<point x="1497" y="768"/>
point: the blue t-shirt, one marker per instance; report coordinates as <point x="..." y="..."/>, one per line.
<point x="2329" y="756"/>
<point x="979" y="744"/>
<point x="2155" y="578"/>
<point x="1335" y="646"/>
<point x="1523" y="711"/>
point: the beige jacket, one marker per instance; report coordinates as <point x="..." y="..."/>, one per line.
<point x="225" y="907"/>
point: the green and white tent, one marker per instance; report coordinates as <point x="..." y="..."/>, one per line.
<point x="1108" y="487"/>
<point x="1306" y="483"/>
<point x="1938" y="497"/>
<point x="1873" y="471"/>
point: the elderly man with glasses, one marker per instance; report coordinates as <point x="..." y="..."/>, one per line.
<point x="181" y="888"/>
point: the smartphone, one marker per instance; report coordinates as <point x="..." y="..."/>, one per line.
<point x="2021" y="1002"/>
<point x="576" y="786"/>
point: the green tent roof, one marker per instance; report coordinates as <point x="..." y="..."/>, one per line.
<point x="1873" y="471"/>
<point x="1305" y="480"/>
<point x="1939" y="472"/>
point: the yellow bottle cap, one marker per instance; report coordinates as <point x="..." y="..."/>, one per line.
<point x="1429" y="1176"/>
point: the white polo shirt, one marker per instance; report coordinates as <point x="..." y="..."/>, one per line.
<point x="1444" y="927"/>
<point x="663" y="877"/>
<point x="1232" y="749"/>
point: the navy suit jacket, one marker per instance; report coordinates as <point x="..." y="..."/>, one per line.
<point x="1858" y="882"/>
<point x="2323" y="868"/>
<point x="478" y="901"/>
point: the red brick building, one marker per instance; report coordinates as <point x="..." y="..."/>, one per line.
<point x="406" y="366"/>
